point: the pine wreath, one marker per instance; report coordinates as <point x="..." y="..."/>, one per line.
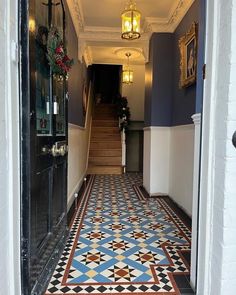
<point x="58" y="60"/>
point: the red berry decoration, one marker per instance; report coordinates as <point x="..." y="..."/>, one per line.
<point x="58" y="60"/>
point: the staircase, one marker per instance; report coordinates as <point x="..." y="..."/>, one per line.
<point x="105" y="154"/>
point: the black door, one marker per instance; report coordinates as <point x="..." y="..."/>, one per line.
<point x="44" y="146"/>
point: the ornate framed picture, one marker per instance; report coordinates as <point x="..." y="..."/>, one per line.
<point x="188" y="57"/>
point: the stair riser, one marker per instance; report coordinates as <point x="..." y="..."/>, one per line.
<point x="105" y="138"/>
<point x="105" y="129"/>
<point x="105" y="112"/>
<point x="105" y="153"/>
<point x="107" y="133"/>
<point x="105" y="170"/>
<point x="105" y="106"/>
<point x="105" y="145"/>
<point x="107" y="162"/>
<point x="108" y="118"/>
<point x="103" y="123"/>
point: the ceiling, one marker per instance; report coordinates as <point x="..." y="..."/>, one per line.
<point x="98" y="27"/>
<point x="107" y="13"/>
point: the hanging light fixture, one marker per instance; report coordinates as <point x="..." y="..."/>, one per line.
<point x="131" y="22"/>
<point x="127" y="73"/>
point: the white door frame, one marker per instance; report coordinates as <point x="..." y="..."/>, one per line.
<point x="216" y="145"/>
<point x="10" y="151"/>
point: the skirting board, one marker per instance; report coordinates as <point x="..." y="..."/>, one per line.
<point x="176" y="205"/>
<point x="74" y="191"/>
<point x="156" y="194"/>
<point x="73" y="206"/>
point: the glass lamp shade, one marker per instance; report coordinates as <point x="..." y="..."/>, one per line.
<point x="131" y="23"/>
<point x="127" y="76"/>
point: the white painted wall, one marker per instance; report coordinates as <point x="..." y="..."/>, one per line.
<point x="9" y="151"/>
<point x="135" y="93"/>
<point x="156" y="160"/>
<point x="168" y="163"/>
<point x="78" y="142"/>
<point x="217" y="225"/>
<point x="181" y="166"/>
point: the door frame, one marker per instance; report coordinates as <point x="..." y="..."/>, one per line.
<point x="10" y="150"/>
<point x="217" y="37"/>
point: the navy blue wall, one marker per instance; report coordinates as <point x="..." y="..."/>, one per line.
<point x="77" y="75"/>
<point x="148" y="86"/>
<point x="201" y="55"/>
<point x="165" y="103"/>
<point x="159" y="77"/>
<point x="184" y="99"/>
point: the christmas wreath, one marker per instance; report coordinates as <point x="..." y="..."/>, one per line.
<point x="123" y="112"/>
<point x="58" y="60"/>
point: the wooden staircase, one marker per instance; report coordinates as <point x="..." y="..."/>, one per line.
<point x="105" y="154"/>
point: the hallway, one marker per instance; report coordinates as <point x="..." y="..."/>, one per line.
<point x="122" y="242"/>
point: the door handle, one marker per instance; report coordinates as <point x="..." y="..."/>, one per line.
<point x="234" y="139"/>
<point x="56" y="150"/>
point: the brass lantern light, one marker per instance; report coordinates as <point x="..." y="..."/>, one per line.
<point x="131" y="22"/>
<point x="127" y="73"/>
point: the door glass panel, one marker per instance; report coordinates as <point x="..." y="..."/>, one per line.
<point x="42" y="72"/>
<point x="58" y="82"/>
<point x="59" y="105"/>
<point x="57" y="15"/>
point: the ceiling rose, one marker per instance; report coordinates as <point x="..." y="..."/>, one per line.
<point x="122" y="52"/>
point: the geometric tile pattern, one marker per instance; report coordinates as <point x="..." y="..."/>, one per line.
<point x="121" y="242"/>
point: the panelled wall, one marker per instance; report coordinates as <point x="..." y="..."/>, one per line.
<point x="169" y="129"/>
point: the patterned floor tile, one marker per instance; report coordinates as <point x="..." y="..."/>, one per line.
<point x="121" y="242"/>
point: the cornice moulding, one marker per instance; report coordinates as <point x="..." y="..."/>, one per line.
<point x="180" y="11"/>
<point x="112" y="34"/>
<point x="115" y="61"/>
<point x="76" y="15"/>
<point x="151" y="24"/>
<point x="169" y="24"/>
<point x="101" y="29"/>
<point x="88" y="57"/>
<point x="109" y="36"/>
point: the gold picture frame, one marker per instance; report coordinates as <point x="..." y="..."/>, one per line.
<point x="188" y="57"/>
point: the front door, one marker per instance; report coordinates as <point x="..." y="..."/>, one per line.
<point x="44" y="130"/>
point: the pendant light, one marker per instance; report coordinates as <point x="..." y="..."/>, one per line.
<point x="127" y="73"/>
<point x="131" y="22"/>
